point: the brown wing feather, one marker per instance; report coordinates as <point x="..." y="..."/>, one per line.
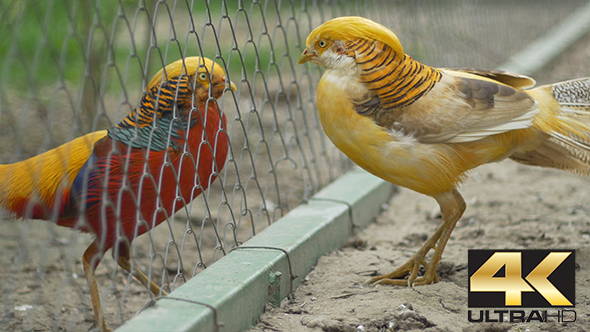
<point x="466" y="108"/>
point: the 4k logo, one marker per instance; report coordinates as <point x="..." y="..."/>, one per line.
<point x="524" y="278"/>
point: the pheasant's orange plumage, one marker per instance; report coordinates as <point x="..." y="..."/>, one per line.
<point x="121" y="182"/>
<point x="423" y="128"/>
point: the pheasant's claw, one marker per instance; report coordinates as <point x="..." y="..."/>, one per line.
<point x="400" y="277"/>
<point x="407" y="274"/>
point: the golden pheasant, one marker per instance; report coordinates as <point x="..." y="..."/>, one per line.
<point x="121" y="182"/>
<point x="423" y="128"/>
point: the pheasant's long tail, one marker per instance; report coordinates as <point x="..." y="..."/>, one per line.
<point x="33" y="188"/>
<point x="567" y="123"/>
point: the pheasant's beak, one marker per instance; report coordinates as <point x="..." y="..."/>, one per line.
<point x="233" y="86"/>
<point x="220" y="86"/>
<point x="306" y="56"/>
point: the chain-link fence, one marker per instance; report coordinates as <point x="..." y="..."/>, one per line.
<point x="71" y="67"/>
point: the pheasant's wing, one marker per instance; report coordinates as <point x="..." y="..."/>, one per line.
<point x="459" y="107"/>
<point x="464" y="108"/>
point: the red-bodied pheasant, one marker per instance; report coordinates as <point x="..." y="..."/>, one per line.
<point x="121" y="182"/>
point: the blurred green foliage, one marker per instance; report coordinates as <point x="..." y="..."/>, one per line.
<point x="80" y="42"/>
<point x="42" y="42"/>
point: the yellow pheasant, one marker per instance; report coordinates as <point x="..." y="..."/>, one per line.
<point x="423" y="128"/>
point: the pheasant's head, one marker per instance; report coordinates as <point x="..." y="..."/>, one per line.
<point x="327" y="45"/>
<point x="206" y="78"/>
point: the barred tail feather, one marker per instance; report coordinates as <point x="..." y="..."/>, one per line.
<point x="557" y="154"/>
<point x="574" y="93"/>
<point x="568" y="147"/>
<point x="22" y="194"/>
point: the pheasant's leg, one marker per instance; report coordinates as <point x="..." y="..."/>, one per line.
<point x="452" y="207"/>
<point x="125" y="264"/>
<point x="91" y="258"/>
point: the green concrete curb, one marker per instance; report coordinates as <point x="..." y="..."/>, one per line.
<point x="231" y="294"/>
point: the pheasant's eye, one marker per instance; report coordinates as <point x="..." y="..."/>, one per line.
<point x="202" y="77"/>
<point x="322" y="43"/>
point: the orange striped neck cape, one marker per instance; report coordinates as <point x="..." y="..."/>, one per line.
<point x="158" y="100"/>
<point x="395" y="77"/>
<point x="150" y="124"/>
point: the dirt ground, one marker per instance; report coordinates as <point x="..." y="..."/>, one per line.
<point x="509" y="206"/>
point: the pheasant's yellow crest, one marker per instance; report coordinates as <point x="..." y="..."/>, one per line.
<point x="190" y="66"/>
<point x="348" y="28"/>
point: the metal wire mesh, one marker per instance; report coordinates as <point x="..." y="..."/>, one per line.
<point x="71" y="67"/>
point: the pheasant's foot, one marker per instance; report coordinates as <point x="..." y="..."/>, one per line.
<point x="452" y="206"/>
<point x="407" y="274"/>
